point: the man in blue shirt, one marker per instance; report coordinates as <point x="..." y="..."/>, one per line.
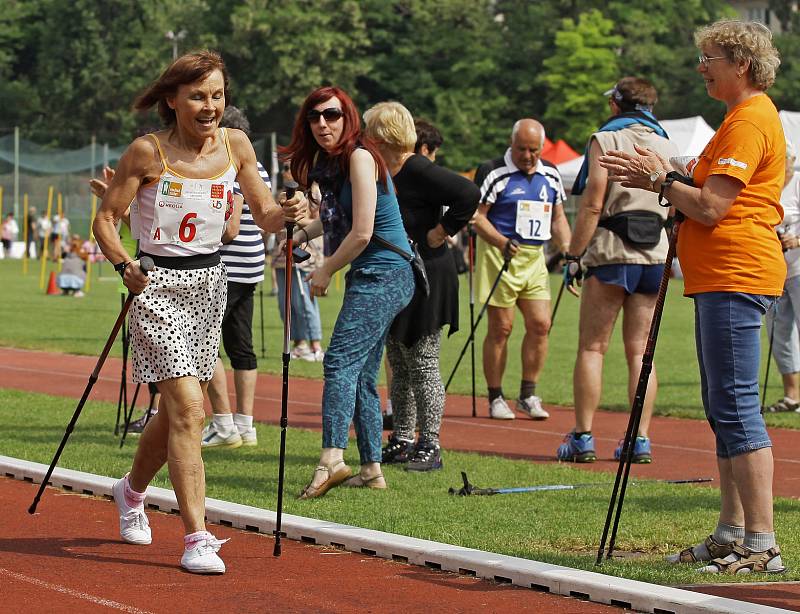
<point x="521" y="208"/>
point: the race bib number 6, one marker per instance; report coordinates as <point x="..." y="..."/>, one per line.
<point x="191" y="211"/>
<point x="533" y="219"/>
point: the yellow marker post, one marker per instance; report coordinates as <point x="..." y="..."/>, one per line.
<point x="24" y="233"/>
<point x="46" y="238"/>
<point x="91" y="244"/>
<point x="59" y="248"/>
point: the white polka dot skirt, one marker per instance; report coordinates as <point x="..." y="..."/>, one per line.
<point x="175" y="324"/>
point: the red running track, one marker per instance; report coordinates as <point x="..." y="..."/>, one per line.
<point x="681" y="448"/>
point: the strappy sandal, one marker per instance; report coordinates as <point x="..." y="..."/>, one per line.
<point x="784" y="405"/>
<point x="717" y="551"/>
<point x="359" y="482"/>
<point x="337" y="473"/>
<point x="748" y="562"/>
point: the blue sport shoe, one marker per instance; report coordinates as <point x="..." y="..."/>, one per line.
<point x="641" y="451"/>
<point x="577" y="450"/>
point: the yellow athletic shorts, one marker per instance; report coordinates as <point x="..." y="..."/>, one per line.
<point x="526" y="278"/>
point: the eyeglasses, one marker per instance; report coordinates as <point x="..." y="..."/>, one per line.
<point x="705" y="60"/>
<point x="331" y="114"/>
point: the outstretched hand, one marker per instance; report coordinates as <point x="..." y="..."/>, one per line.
<point x="634" y="170"/>
<point x="99" y="186"/>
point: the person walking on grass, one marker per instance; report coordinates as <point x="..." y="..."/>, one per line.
<point x="414" y="340"/>
<point x="243" y="255"/>
<point x="358" y="205"/>
<point x="619" y="238"/>
<point x="782" y="321"/>
<point x="733" y="270"/>
<point x="521" y="207"/>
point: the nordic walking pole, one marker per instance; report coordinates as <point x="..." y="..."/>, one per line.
<point x="261" y="314"/>
<point x="624" y="468"/>
<point x="291" y="187"/>
<point x="146" y="264"/>
<point x="471" y="251"/>
<point x="506" y="262"/>
<point x="122" y="401"/>
<point x="470" y="489"/>
<point x="555" y="308"/>
<point x="129" y="415"/>
<point x="769" y="357"/>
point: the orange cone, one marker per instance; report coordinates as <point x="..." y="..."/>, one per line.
<point x="51" y="285"/>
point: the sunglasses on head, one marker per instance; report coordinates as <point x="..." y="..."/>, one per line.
<point x="331" y="114"/>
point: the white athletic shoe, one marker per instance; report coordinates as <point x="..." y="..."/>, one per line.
<point x="212" y="438"/>
<point x="202" y="556"/>
<point x="499" y="410"/>
<point x="133" y="525"/>
<point x="532" y="407"/>
<point x="249" y="436"/>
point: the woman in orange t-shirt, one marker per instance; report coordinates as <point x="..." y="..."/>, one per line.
<point x="733" y="269"/>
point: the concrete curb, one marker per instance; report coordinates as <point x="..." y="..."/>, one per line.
<point x="587" y="585"/>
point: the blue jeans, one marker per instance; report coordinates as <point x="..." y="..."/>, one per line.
<point x="305" y="324"/>
<point x="372" y="299"/>
<point x="727" y="333"/>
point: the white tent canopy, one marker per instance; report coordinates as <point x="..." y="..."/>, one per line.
<point x="690" y="135"/>
<point x="791" y="128"/>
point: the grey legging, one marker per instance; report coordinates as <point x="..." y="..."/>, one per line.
<point x="417" y="390"/>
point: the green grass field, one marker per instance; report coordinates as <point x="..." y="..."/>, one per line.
<point x="31" y="319"/>
<point x="556" y="527"/>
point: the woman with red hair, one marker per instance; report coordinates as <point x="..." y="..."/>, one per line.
<point x="361" y="223"/>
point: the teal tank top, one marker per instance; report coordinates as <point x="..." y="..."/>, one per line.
<point x="388" y="225"/>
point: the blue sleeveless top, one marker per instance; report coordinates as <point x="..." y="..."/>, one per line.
<point x="388" y="225"/>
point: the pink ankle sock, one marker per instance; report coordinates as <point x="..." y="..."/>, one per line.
<point x="191" y="540"/>
<point x="133" y="498"/>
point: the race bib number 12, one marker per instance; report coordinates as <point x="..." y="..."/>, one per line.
<point x="533" y="219"/>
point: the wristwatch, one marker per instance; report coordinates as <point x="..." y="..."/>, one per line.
<point x="653" y="178"/>
<point x="668" y="180"/>
<point x="120" y="268"/>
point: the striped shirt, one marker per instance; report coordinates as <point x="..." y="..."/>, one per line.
<point x="244" y="256"/>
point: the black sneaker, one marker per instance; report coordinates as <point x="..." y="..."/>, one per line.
<point x="137" y="426"/>
<point x="388" y="422"/>
<point x="396" y="451"/>
<point x="426" y="457"/>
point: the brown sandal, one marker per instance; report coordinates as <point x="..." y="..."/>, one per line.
<point x="748" y="562"/>
<point x="717" y="550"/>
<point x="359" y="482"/>
<point x="335" y="477"/>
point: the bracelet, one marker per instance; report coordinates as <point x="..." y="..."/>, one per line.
<point x="120" y="268"/>
<point x="307" y="237"/>
<point x="571" y="258"/>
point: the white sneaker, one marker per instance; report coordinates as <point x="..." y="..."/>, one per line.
<point x="212" y="438"/>
<point x="249" y="436"/>
<point x="319" y="355"/>
<point x="499" y="410"/>
<point x="202" y="556"/>
<point x="532" y="407"/>
<point x="133" y="525"/>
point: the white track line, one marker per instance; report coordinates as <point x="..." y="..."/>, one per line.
<point x="114" y="605"/>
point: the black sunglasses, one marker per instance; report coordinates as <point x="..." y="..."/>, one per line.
<point x="331" y="114"/>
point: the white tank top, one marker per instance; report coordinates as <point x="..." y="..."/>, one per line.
<point x="182" y="216"/>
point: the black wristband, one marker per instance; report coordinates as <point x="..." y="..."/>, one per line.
<point x="571" y="258"/>
<point x="672" y="177"/>
<point x="120" y="268"/>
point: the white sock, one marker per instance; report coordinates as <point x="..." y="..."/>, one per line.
<point x="242" y="422"/>
<point x="223" y="422"/>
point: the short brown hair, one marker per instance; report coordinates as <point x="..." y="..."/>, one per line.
<point x="186" y="69"/>
<point x="634" y="93"/>
<point x="742" y="41"/>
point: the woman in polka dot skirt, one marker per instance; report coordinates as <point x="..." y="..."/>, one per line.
<point x="178" y="183"/>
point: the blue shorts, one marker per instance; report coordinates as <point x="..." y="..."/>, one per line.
<point x="728" y="337"/>
<point x="633" y="278"/>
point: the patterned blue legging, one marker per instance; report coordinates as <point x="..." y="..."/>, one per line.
<point x="372" y="299"/>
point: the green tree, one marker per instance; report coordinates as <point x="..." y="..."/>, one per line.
<point x="583" y="65"/>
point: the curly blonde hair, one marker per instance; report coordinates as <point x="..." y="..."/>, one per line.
<point x="744" y="41"/>
<point x="391" y="124"/>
